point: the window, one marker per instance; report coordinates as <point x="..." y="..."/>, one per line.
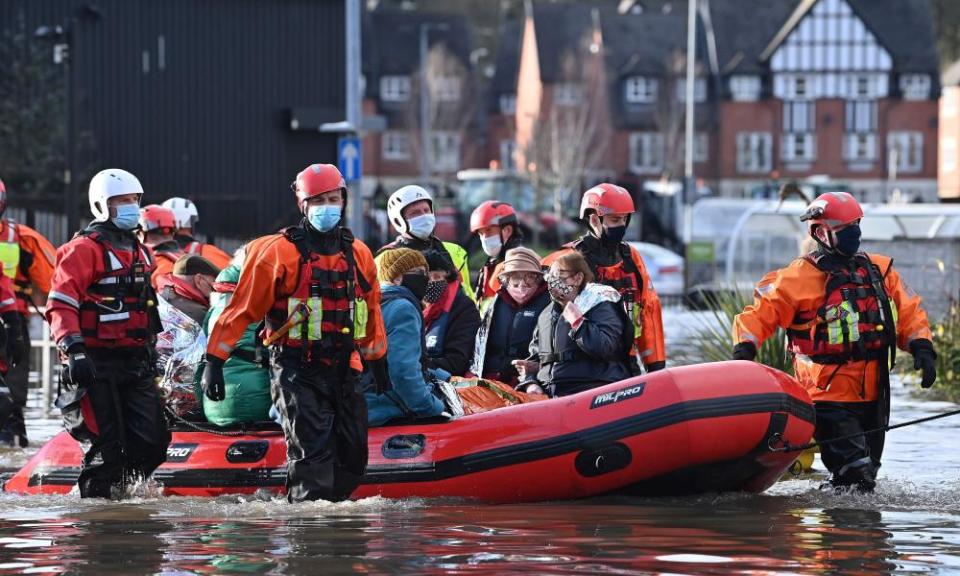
<point x="754" y="151"/>
<point x="860" y="147"/>
<point x="797" y="87"/>
<point x="905" y="151"/>
<point x="948" y="154"/>
<point x="640" y="90"/>
<point x="395" y="88"/>
<point x="699" y="90"/>
<point x="446" y="89"/>
<point x="646" y="152"/>
<point x="567" y="94"/>
<point x="799" y="116"/>
<point x="915" y="86"/>
<point x="745" y="88"/>
<point x="860" y="116"/>
<point x="395" y="146"/>
<point x="508" y="149"/>
<point x="798" y="147"/>
<point x="701" y="147"/>
<point x="445" y="151"/>
<point x="508" y="104"/>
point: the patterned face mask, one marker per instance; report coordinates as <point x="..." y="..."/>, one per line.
<point x="559" y="289"/>
<point x="435" y="290"/>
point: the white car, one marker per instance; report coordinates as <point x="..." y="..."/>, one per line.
<point x="664" y="266"/>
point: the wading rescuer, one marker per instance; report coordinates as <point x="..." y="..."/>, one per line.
<point x="317" y="287"/>
<point x="410" y="210"/>
<point x="103" y="317"/>
<point x="187" y="217"/>
<point x="606" y="209"/>
<point x="845" y="313"/>
<point x="27" y="258"/>
<point x="496" y="224"/>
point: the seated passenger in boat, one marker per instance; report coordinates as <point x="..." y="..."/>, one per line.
<point x="188" y="286"/>
<point x="450" y="317"/>
<point x="509" y="319"/>
<point x="403" y="283"/>
<point x="245" y="373"/>
<point x="582" y="339"/>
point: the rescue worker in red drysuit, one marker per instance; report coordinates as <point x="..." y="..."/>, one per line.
<point x="27" y="258"/>
<point x="103" y="317"/>
<point x="496" y="224"/>
<point x="317" y="287"/>
<point x="845" y="313"/>
<point x="187" y="218"/>
<point x="606" y="208"/>
<point x="157" y="226"/>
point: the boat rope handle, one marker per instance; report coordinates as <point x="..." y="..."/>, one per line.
<point x="776" y="443"/>
<point x="227" y="433"/>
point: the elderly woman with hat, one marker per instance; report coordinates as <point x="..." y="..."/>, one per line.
<point x="508" y="322"/>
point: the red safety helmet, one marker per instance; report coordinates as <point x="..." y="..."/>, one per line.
<point x="492" y="213"/>
<point x="606" y="199"/>
<point x="155" y="217"/>
<point x="829" y="213"/>
<point x="3" y="198"/>
<point x="318" y="179"/>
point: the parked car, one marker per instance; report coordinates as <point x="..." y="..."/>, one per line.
<point x="664" y="266"/>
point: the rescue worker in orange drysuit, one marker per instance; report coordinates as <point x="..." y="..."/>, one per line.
<point x="845" y="313"/>
<point x="606" y="208"/>
<point x="317" y="287"/>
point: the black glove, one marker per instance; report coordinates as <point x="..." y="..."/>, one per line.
<point x="80" y="367"/>
<point x="745" y="351"/>
<point x="654" y="366"/>
<point x="17" y="347"/>
<point x="212" y="381"/>
<point x="925" y="359"/>
<point x="381" y="377"/>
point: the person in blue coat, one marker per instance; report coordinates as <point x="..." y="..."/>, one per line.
<point x="403" y="282"/>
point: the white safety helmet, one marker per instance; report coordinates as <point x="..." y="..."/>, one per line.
<point x="184" y="210"/>
<point x="108" y="184"/>
<point x="401" y="199"/>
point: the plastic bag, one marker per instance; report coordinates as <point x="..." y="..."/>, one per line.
<point x="180" y="350"/>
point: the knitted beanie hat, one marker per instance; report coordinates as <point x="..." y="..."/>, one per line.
<point x="393" y="264"/>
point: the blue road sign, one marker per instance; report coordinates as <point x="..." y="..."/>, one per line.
<point x="349" y="158"/>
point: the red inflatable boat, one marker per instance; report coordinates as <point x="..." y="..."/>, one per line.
<point x="685" y="430"/>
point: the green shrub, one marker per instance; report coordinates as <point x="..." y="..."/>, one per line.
<point x="946" y="336"/>
<point x="712" y="340"/>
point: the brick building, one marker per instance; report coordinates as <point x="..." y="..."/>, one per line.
<point x="789" y="88"/>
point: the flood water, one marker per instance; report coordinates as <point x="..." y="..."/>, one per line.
<point x="911" y="525"/>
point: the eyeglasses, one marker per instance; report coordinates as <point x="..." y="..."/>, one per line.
<point x="526" y="279"/>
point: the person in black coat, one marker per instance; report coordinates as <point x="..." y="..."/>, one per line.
<point x="582" y="340"/>
<point x="450" y="317"/>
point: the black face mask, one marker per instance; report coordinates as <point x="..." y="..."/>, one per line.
<point x="416" y="283"/>
<point x="613" y="234"/>
<point x="848" y="240"/>
<point x="435" y="290"/>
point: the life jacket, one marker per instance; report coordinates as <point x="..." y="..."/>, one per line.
<point x="624" y="276"/>
<point x="15" y="260"/>
<point x="192" y="247"/>
<point x="514" y="328"/>
<point x="857" y="320"/>
<point x="328" y="308"/>
<point x="167" y="251"/>
<point x="119" y="308"/>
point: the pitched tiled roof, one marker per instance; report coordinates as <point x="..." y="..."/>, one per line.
<point x="507" y="63"/>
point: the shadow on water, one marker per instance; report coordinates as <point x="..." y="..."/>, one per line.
<point x="795" y="529"/>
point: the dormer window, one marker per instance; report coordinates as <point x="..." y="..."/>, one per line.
<point x="745" y="88"/>
<point x="915" y="86"/>
<point x="640" y="90"/>
<point x="395" y="88"/>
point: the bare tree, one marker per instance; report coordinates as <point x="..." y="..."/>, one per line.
<point x="451" y="105"/>
<point x="571" y="136"/>
<point x="671" y="115"/>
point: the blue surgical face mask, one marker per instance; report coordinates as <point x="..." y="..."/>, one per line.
<point x="324" y="217"/>
<point x="128" y="216"/>
<point x="848" y="240"/>
<point x="422" y="226"/>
